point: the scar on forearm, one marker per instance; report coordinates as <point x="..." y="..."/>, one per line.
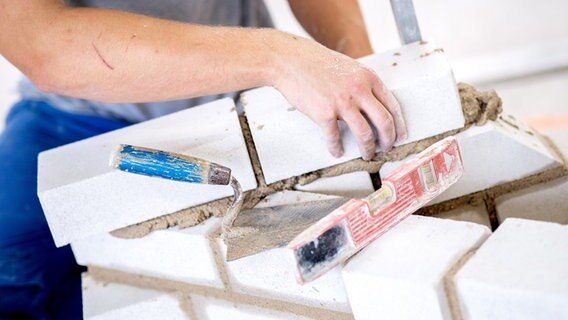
<point x="101" y="56"/>
<point x="128" y="45"/>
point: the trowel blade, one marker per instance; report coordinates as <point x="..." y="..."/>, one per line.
<point x="259" y="229"/>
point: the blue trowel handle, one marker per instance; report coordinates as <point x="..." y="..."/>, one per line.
<point x="168" y="165"/>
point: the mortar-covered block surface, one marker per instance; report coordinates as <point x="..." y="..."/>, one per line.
<point x="545" y="202"/>
<point x="400" y="275"/>
<point x="290" y="144"/>
<point x="111" y="301"/>
<point x="207" y="308"/>
<point x="181" y="255"/>
<point x="520" y="272"/>
<point x="82" y="195"/>
<point x="501" y="151"/>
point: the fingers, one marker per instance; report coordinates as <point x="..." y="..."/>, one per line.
<point x="382" y="120"/>
<point x="361" y="130"/>
<point x="332" y="135"/>
<point x="387" y="99"/>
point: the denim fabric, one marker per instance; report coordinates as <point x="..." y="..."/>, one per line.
<point x="37" y="280"/>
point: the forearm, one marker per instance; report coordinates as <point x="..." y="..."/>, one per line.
<point x="114" y="56"/>
<point x="337" y="24"/>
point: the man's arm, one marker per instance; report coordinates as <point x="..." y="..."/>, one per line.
<point x="115" y="56"/>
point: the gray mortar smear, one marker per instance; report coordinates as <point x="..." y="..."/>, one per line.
<point x="478" y="108"/>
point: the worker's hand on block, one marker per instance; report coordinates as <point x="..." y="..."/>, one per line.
<point x="328" y="86"/>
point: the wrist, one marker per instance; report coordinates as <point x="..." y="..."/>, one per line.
<point x="276" y="47"/>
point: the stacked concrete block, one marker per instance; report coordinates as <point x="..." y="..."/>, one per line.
<point x="82" y="196"/>
<point x="181" y="255"/>
<point x="418" y="75"/>
<point x="546" y="202"/>
<point x="401" y="274"/>
<point x="111" y="301"/>
<point x="351" y="185"/>
<point x="521" y="272"/>
<point x="285" y="197"/>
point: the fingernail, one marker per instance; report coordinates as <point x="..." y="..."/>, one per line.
<point x="368" y="156"/>
<point x="338" y="153"/>
<point x="401" y="136"/>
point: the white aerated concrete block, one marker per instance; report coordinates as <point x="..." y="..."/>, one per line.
<point x="82" y="196"/>
<point x="475" y="214"/>
<point x="182" y="255"/>
<point x="350" y="185"/>
<point x="110" y="301"/>
<point x="418" y="75"/>
<point x="545" y="202"/>
<point x="400" y="275"/>
<point x="271" y="273"/>
<point x="285" y="197"/>
<point x="521" y="272"/>
<point x="209" y="308"/>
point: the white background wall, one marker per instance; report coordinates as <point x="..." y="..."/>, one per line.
<point x="519" y="47"/>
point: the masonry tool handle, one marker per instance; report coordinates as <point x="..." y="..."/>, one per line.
<point x="168" y="165"/>
<point x="406" y="22"/>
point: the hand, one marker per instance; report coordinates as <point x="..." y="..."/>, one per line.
<point x="328" y="86"/>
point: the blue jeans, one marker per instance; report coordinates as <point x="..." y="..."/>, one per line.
<point x="37" y="280"/>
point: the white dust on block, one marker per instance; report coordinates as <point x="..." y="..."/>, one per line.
<point x="82" y="196"/>
<point x="110" y="301"/>
<point x="400" y="275"/>
<point x="290" y="144"/>
<point x="350" y="185"/>
<point x="545" y="202"/>
<point x="501" y="151"/>
<point x="520" y="272"/>
<point x="475" y="214"/>
<point x="210" y="308"/>
<point x="271" y="272"/>
<point x="176" y="254"/>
